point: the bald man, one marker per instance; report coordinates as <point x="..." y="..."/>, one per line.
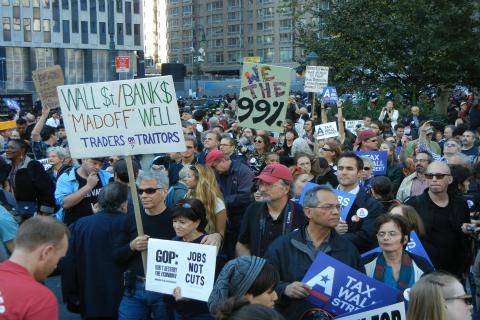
<point x="443" y="215"/>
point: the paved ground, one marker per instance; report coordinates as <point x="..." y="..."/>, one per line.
<point x="54" y="284"/>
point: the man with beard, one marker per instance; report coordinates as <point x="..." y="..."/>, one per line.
<point x="272" y="215"/>
<point x="415" y="184"/>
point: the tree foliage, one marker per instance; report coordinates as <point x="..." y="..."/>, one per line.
<point x="401" y="44"/>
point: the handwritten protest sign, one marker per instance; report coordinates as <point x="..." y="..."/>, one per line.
<point x="46" y="82"/>
<point x="329" y="95"/>
<point x="391" y="312"/>
<point x="263" y="99"/>
<point x="172" y="264"/>
<point x="345" y="199"/>
<point x="122" y="117"/>
<point x="316" y="77"/>
<point x="414" y="246"/>
<point x="326" y="130"/>
<point x="353" y="125"/>
<point x="379" y="161"/>
<point x="340" y="289"/>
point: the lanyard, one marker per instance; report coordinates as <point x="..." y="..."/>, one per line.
<point x="286" y="225"/>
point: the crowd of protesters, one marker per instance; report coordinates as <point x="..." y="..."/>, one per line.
<point x="238" y="189"/>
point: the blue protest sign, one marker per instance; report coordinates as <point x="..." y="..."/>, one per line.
<point x="398" y="150"/>
<point x="414" y="246"/>
<point x="340" y="289"/>
<point x="329" y="95"/>
<point x="344" y="198"/>
<point x="379" y="161"/>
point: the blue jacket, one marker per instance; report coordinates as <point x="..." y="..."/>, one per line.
<point x="67" y="184"/>
<point x="91" y="279"/>
<point x="236" y="186"/>
<point x="292" y="257"/>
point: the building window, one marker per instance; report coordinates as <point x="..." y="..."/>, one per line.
<point x="234" y="29"/>
<point x="219" y="57"/>
<point x="27" y="29"/>
<point x="173" y="11"/>
<point x="65" y="4"/>
<point x="46" y="4"/>
<point x="214" y="6"/>
<point x="128" y="18"/>
<point x="26" y="3"/>
<point x="74" y="66"/>
<point x="83" y="5"/>
<point x="17" y="26"/>
<point x="136" y="35"/>
<point x="36" y="3"/>
<point x="233" y="42"/>
<point x="136" y="6"/>
<point x="93" y="16"/>
<point x="56" y="16"/>
<point x="119" y="6"/>
<point x="47" y="35"/>
<point x="37" y="25"/>
<point x="75" y="15"/>
<point x="5" y="2"/>
<point x="234" y="16"/>
<point x="187" y="10"/>
<point x="66" y="31"/>
<point x="120" y="34"/>
<point x="286" y="37"/>
<point x="7" y="34"/>
<point x="286" y="54"/>
<point x="103" y="33"/>
<point x="84" y="27"/>
<point x="101" y="5"/>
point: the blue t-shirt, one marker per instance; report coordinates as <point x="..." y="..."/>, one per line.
<point x="8" y="229"/>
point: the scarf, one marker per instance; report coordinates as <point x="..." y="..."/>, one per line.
<point x="405" y="270"/>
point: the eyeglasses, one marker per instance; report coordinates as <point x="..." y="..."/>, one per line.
<point x="420" y="160"/>
<point x="466" y="298"/>
<point x="147" y="190"/>
<point x="374" y="140"/>
<point x="330" y="207"/>
<point x="451" y="145"/>
<point x="258" y="141"/>
<point x="225" y="145"/>
<point x="367" y="168"/>
<point x="439" y="176"/>
<point x="390" y="234"/>
<point x="326" y="149"/>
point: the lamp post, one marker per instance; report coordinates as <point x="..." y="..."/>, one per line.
<point x="312" y="60"/>
<point x="3" y="61"/>
<point x="198" y="57"/>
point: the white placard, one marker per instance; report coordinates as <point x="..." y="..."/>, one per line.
<point x="122" y="117"/>
<point x="326" y="130"/>
<point x="316" y="77"/>
<point x="351" y="125"/>
<point x="394" y="311"/>
<point x="172" y="264"/>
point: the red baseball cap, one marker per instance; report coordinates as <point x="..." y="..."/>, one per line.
<point x="213" y="156"/>
<point x="364" y="135"/>
<point x="274" y="172"/>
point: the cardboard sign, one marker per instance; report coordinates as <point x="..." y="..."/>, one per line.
<point x="122" y="63"/>
<point x="122" y="117"/>
<point x="172" y="264"/>
<point x="263" y="98"/>
<point x="326" y="130"/>
<point x="316" y="78"/>
<point x="353" y="125"/>
<point x="340" y="289"/>
<point x="45" y="163"/>
<point x="414" y="246"/>
<point x="329" y="95"/>
<point x="344" y="198"/>
<point x="46" y="82"/>
<point x="391" y="312"/>
<point x="379" y="161"/>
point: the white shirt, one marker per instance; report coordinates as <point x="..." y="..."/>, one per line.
<point x="52" y="122"/>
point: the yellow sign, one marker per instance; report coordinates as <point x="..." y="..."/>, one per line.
<point x="255" y="59"/>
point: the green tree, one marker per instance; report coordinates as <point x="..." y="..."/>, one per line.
<point x="402" y="44"/>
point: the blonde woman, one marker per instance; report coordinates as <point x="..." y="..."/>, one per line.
<point x="202" y="185"/>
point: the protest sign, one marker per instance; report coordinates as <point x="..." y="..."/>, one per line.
<point x="414" y="246"/>
<point x="299" y="127"/>
<point x="172" y="264"/>
<point x="391" y="312"/>
<point x="254" y="59"/>
<point x="353" y="125"/>
<point x="340" y="289"/>
<point x="46" y="82"/>
<point x="379" y="161"/>
<point x="316" y="77"/>
<point x="46" y="164"/>
<point x="344" y="198"/>
<point x="329" y="95"/>
<point x="263" y="100"/>
<point x="120" y="118"/>
<point x="326" y="130"/>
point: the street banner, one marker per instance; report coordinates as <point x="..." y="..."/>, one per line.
<point x="121" y="118"/>
<point x="326" y="130"/>
<point x="46" y="82"/>
<point x="263" y="99"/>
<point x="329" y="95"/>
<point x="379" y="161"/>
<point x="122" y="64"/>
<point x="353" y="125"/>
<point x="172" y="264"/>
<point x="340" y="289"/>
<point x="391" y="312"/>
<point x="254" y="59"/>
<point x="316" y="78"/>
<point x="345" y="199"/>
<point x="414" y="246"/>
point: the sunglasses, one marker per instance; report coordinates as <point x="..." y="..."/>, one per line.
<point x="326" y="149"/>
<point x="439" y="176"/>
<point x="258" y="141"/>
<point x="367" y="168"/>
<point x="466" y="298"/>
<point x="148" y="190"/>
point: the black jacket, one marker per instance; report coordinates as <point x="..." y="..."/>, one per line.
<point x="292" y="257"/>
<point x="362" y="232"/>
